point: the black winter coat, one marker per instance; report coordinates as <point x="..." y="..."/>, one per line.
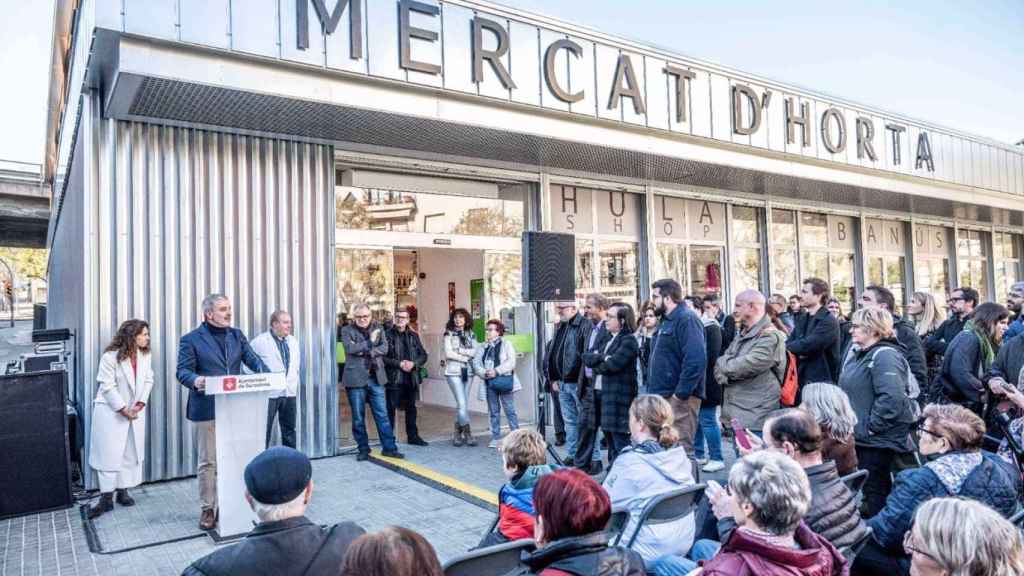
<point x="993" y="482"/>
<point x="714" y="339"/>
<point x="403" y="346"/>
<point x="1009" y="361"/>
<point x="588" y="416"/>
<point x="588" y="555"/>
<point x="911" y="342"/>
<point x="294" y="546"/>
<point x="960" y="377"/>
<point x="833" y="513"/>
<point x="572" y="339"/>
<point x="940" y="339"/>
<point x="876" y="382"/>
<point x="617" y="367"/>
<point x="728" y="333"/>
<point x="815" y="342"/>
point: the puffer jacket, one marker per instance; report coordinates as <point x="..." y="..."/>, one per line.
<point x="976" y="475"/>
<point x="750" y="373"/>
<point x="744" y="554"/>
<point x="876" y="381"/>
<point x="641" y="473"/>
<point x="588" y="555"/>
<point x="833" y="512"/>
<point x="515" y="503"/>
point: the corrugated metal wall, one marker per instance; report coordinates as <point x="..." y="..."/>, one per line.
<point x="173" y="214"/>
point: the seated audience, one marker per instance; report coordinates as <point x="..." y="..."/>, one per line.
<point x="572" y="512"/>
<point x="952" y="436"/>
<point x="278" y="486"/>
<point x="652" y="465"/>
<point x="523" y="453"/>
<point x="836" y="418"/>
<point x="954" y="537"/>
<point x="394" y="551"/>
<point x="768" y="497"/>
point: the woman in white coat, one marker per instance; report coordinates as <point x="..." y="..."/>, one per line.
<point x="495" y="364"/>
<point x="117" y="444"/>
<point x="459" y="349"/>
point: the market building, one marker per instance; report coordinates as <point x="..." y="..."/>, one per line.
<point x="306" y="155"/>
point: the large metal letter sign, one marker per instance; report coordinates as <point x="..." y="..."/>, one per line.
<point x="329" y="23"/>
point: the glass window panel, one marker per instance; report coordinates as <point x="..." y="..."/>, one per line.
<point x="746" y="225"/>
<point x="670" y="262"/>
<point x="813" y="230"/>
<point x="584" y="268"/>
<point x="365" y="276"/>
<point x="841" y="278"/>
<point x="815" y="264"/>
<point x="400" y="211"/>
<point x="705" y="271"/>
<point x="1003" y="280"/>
<point x="876" y="270"/>
<point x="503" y="273"/>
<point x="746" y="272"/>
<point x="783" y="227"/>
<point x="784" y="271"/>
<point x="619" y="278"/>
<point x="894" y="278"/>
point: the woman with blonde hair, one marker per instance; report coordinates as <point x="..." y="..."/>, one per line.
<point x="652" y="465"/>
<point x="831" y="408"/>
<point x="959" y="537"/>
<point x="927" y="317"/>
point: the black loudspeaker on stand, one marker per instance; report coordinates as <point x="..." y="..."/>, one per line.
<point x="549" y="275"/>
<point x="35" y="474"/>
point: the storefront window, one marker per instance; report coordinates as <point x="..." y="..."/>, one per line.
<point x="705" y="271"/>
<point x="504" y="281"/>
<point x="584" y="268"/>
<point x="813" y="231"/>
<point x="401" y="211"/>
<point x="365" y="276"/>
<point x="746" y="248"/>
<point x="1007" y="262"/>
<point x="619" y="278"/>
<point x="886" y="256"/>
<point x="783" y="261"/>
<point x="931" y="261"/>
<point x="670" y="262"/>
<point x="972" y="261"/>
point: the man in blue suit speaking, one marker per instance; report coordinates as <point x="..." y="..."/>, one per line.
<point x="212" y="349"/>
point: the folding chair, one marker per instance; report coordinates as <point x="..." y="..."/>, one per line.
<point x="855" y="481"/>
<point x="851" y="551"/>
<point x="1018" y="519"/>
<point x="667" y="507"/>
<point x="616" y="524"/>
<point x="491" y="561"/>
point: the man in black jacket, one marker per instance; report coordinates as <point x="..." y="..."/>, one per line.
<point x="815" y="336"/>
<point x="962" y="303"/>
<point x="278" y="486"/>
<point x="906" y="334"/>
<point x="563" y="357"/>
<point x="405" y="357"/>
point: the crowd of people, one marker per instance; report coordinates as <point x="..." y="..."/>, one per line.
<point x="930" y="408"/>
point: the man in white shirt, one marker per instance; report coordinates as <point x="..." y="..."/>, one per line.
<point x="279" y="350"/>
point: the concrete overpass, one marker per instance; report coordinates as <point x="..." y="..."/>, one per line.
<point x="24" y="205"/>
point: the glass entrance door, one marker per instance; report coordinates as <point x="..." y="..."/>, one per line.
<point x="365" y="275"/>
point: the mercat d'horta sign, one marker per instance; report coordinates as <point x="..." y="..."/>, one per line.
<point x="459" y="47"/>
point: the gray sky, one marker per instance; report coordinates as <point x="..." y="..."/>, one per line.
<point x="957" y="64"/>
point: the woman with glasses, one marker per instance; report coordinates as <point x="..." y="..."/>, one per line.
<point x="614" y="367"/>
<point x="459" y="350"/>
<point x="876" y="376"/>
<point x="644" y="333"/>
<point x="971" y="354"/>
<point x="495" y="364"/>
<point x="951" y="438"/>
<point x="953" y="536"/>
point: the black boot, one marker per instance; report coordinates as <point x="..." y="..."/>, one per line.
<point x="457" y="438"/>
<point x="103" y="505"/>
<point x="123" y="498"/>
<point x="468" y="435"/>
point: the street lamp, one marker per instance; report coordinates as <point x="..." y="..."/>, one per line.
<point x="10" y="292"/>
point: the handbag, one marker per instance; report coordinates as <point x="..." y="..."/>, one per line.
<point x="502" y="383"/>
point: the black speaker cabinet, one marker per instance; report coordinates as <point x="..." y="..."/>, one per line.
<point x="36" y="474"/>
<point x="549" y="266"/>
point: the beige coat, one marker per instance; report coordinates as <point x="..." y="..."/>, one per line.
<point x="750" y="372"/>
<point x="118" y="388"/>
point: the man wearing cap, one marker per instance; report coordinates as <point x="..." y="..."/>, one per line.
<point x="278" y="486"/>
<point x="563" y="359"/>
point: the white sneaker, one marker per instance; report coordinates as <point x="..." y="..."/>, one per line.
<point x="493" y="444"/>
<point x="701" y="461"/>
<point x="714" y="466"/>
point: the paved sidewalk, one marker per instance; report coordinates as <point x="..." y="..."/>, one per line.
<point x="374" y="497"/>
<point x="14" y="341"/>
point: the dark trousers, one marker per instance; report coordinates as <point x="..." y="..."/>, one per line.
<point x="873" y="560"/>
<point x="556" y="407"/>
<point x="878" y="462"/>
<point x="617" y="442"/>
<point x="282" y="409"/>
<point x="588" y="430"/>
<point x="403" y="398"/>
